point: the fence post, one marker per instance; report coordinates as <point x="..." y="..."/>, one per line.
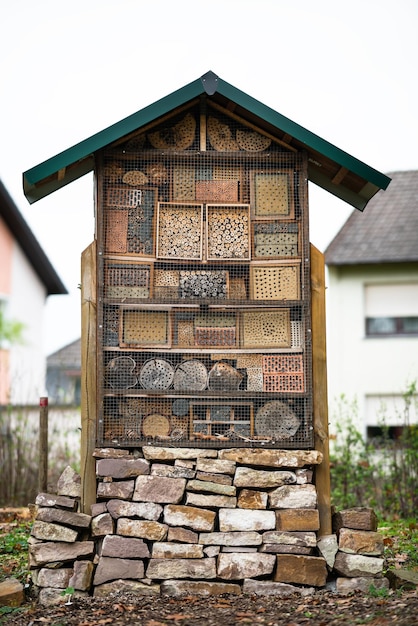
<point x="43" y="445"/>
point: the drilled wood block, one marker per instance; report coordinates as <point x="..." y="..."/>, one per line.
<point x="272" y="194"/>
<point x="145" y="328"/>
<point x="183" y="186"/>
<point x="264" y="329"/>
<point x="275" y="282"/>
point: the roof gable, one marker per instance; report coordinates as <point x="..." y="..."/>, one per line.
<point x="388" y="230"/>
<point x="329" y="167"/>
<point x="29" y="244"/>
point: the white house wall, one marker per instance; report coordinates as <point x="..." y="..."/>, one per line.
<point x="27" y="305"/>
<point x="368" y="370"/>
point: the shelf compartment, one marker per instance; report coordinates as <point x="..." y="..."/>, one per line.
<point x="266" y="328"/>
<point x="129" y="225"/>
<point x="179" y="231"/>
<point x="228" y="232"/>
<point x="275" y="240"/>
<point x="275" y="282"/>
<point x="124" y="280"/>
<point x="214" y="420"/>
<point x="145" y="328"/>
<point x="271" y="194"/>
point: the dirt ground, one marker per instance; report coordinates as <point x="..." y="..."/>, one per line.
<point x="324" y="608"/>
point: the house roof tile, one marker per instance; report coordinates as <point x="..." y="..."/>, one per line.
<point x="387" y="232"/>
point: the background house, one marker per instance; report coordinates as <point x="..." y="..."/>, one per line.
<point x="63" y="375"/>
<point x="27" y="278"/>
<point x="372" y="307"/>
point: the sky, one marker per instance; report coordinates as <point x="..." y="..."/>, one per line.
<point x="345" y="70"/>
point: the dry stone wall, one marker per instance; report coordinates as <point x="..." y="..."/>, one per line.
<point x="198" y="521"/>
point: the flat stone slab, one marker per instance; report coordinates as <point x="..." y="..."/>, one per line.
<point x="166" y="454"/>
<point x="293" y="497"/>
<point x="249" y="477"/>
<point x="122" y="468"/>
<point x="62" y="502"/>
<point x="11" y="592"/>
<point x="301" y="570"/>
<point x="363" y="584"/>
<point x="55" y="551"/>
<point x="236" y="519"/>
<point x="61" y="516"/>
<point x="172" y="471"/>
<point x="165" y="550"/>
<point x="270" y="588"/>
<point x="144" y="529"/>
<point x="132" y="587"/>
<point x="209" y="487"/>
<point x="216" y="466"/>
<point x="357" y="518"/>
<point x="210" y="501"/>
<point x="297" y="519"/>
<point x="365" y="542"/>
<point x="124" y="547"/>
<point x="198" y="588"/>
<point x="144" y="510"/>
<point x="53" y="532"/>
<point x="165" y="569"/>
<point x="55" y="578"/>
<point x="190" y="517"/>
<point x="121" y="490"/>
<point x="357" y="565"/>
<point x="249" y="538"/>
<point x="237" y="566"/>
<point x="159" y="489"/>
<point x="402" y="578"/>
<point x="271" y="458"/>
<point x="113" y="568"/>
<point x="303" y="539"/>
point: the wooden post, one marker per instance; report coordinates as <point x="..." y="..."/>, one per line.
<point x="43" y="445"/>
<point x="320" y="400"/>
<point x="88" y="377"/>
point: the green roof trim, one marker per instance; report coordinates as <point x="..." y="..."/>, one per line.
<point x="78" y="160"/>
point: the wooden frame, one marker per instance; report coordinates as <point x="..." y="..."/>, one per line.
<point x="130" y="225"/>
<point x="225" y="239"/>
<point x="123" y="288"/>
<point x="275" y="281"/>
<point x="210" y="424"/>
<point x="275" y="239"/>
<point x="271" y="194"/>
<point x="179" y="231"/>
<point x="145" y="328"/>
<point x="265" y="328"/>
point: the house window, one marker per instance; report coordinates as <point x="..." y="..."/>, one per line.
<point x="391" y="310"/>
<point x="389" y="326"/>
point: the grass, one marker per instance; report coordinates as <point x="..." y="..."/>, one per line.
<point x="14" y="550"/>
<point x="400" y="538"/>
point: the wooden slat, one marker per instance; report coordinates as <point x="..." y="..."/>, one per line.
<point x="88" y="377"/>
<point x="320" y="402"/>
<point x="339" y="176"/>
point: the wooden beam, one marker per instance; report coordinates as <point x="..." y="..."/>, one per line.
<point x="320" y="400"/>
<point x="88" y="377"/>
<point x="339" y="175"/>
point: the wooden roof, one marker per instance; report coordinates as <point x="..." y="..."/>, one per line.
<point x="29" y="244"/>
<point x="329" y="167"/>
<point x="386" y="233"/>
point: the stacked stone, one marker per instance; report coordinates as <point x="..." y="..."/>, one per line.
<point x="183" y="520"/>
<point x="60" y="549"/>
<point x="359" y="560"/>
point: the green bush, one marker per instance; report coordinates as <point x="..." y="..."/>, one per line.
<point x="382" y="473"/>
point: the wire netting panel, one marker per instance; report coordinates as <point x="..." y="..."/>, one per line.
<point x="203" y="287"/>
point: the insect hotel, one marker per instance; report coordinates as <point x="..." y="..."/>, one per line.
<point x="203" y="338"/>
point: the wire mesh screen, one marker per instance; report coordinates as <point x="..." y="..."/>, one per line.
<point x="204" y="296"/>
